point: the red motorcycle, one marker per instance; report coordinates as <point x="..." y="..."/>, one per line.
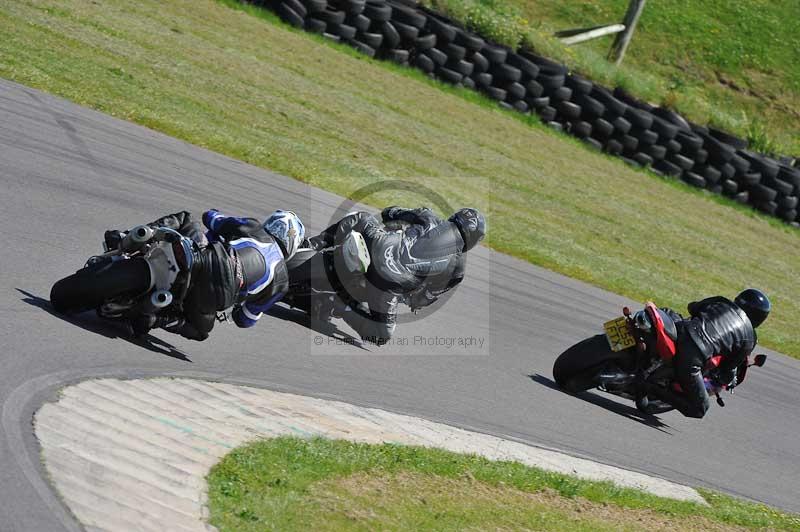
<point x="635" y="348"/>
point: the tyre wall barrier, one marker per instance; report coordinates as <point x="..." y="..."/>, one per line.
<point x="612" y="121"/>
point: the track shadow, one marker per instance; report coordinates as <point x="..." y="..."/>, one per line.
<point x="108" y="328"/>
<point x="612" y="406"/>
<point x="327" y="329"/>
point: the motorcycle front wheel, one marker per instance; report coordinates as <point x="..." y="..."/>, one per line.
<point x="90" y="287"/>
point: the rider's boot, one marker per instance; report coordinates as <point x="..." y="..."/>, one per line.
<point x="144" y="323"/>
<point x="321" y="312"/>
<point x="321" y="307"/>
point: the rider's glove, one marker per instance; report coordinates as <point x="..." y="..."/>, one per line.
<point x="727" y="378"/>
<point x="719" y="381"/>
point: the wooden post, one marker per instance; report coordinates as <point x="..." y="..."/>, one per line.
<point x="569" y="37"/>
<point x="617" y="52"/>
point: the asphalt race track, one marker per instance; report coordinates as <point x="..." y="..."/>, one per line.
<point x="68" y="173"/>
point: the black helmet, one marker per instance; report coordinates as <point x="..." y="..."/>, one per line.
<point x="472" y="226"/>
<point x="755" y="304"/>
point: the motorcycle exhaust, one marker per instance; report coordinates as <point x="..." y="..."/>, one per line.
<point x="157" y="301"/>
<point x="161" y="299"/>
<point x="137" y="237"/>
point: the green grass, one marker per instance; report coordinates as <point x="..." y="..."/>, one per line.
<point x="296" y="484"/>
<point x="732" y="64"/>
<point x="252" y="88"/>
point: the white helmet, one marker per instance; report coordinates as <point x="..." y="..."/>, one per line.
<point x="287" y="229"/>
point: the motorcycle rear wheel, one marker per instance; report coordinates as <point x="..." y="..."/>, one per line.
<point x="89" y="288"/>
<point x="575" y="370"/>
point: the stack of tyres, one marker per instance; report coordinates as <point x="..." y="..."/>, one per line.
<point x="648" y="151"/>
<point x="430" y="58"/>
<point x="522" y="90"/>
<point x="788" y="204"/>
<point x="297" y="12"/>
<point x="726" y="172"/>
<point x="776" y="191"/>
<point x="471" y="45"/>
<point x="570" y="111"/>
<point x="380" y="15"/>
<point x="716" y="166"/>
<point x="641" y="122"/>
<point x="406" y="24"/>
<point x="493" y="78"/>
<point x="480" y="79"/>
<point x="674" y="134"/>
<point x="699" y="174"/>
<point x="460" y="47"/>
<point x="548" y="83"/>
<point x="736" y="178"/>
<point x="610" y="128"/>
<point x="661" y="149"/>
<point x="593" y="112"/>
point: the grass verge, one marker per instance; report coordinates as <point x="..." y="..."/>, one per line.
<point x="296" y="484"/>
<point x="254" y="89"/>
<point x="732" y="64"/>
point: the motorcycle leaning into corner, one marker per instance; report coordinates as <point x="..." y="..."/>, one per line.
<point x="333" y="282"/>
<point x="636" y="348"/>
<point x="149" y="273"/>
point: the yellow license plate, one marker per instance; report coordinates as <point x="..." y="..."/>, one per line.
<point x="618" y="334"/>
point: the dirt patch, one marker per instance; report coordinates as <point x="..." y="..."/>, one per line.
<point x="367" y="497"/>
<point x="778" y="99"/>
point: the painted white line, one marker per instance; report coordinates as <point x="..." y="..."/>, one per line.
<point x="133" y="454"/>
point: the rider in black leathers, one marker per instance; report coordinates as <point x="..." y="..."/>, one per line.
<point x="416" y="264"/>
<point x="716" y="326"/>
<point x="239" y="262"/>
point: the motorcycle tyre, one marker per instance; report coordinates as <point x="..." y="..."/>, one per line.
<point x="89" y="288"/>
<point x="575" y="369"/>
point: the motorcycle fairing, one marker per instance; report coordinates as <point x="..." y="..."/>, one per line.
<point x="665" y="331"/>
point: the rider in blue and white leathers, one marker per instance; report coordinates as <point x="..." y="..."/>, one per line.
<point x="240" y="263"/>
<point x="260" y="252"/>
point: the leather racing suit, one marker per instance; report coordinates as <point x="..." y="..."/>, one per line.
<point x="716" y="326"/>
<point x="416" y="264"/>
<point x="238" y="263"/>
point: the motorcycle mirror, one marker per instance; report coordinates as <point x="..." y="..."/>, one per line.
<point x="760" y="360"/>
